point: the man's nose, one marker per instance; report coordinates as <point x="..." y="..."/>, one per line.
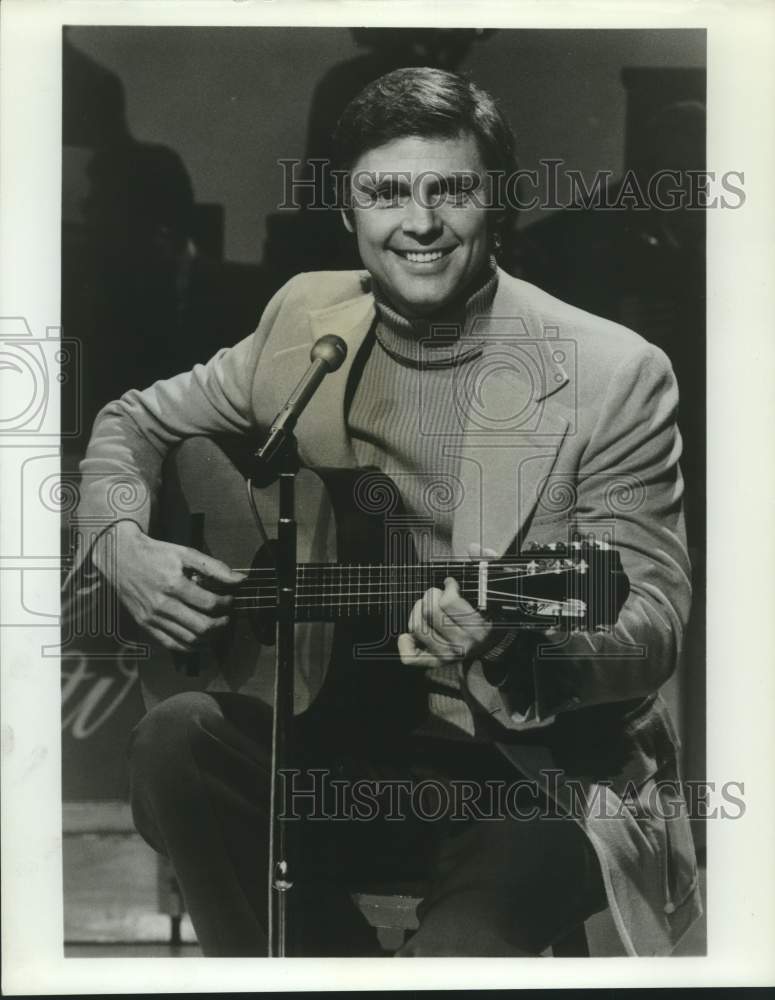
<point x="420" y="219"/>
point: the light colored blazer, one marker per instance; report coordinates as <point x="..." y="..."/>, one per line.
<point x="571" y="424"/>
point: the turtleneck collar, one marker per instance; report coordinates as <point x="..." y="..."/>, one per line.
<point x="440" y="340"/>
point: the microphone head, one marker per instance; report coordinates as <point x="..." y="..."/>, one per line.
<point x="331" y="350"/>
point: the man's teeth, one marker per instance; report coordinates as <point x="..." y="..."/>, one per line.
<point x="424" y="258"/>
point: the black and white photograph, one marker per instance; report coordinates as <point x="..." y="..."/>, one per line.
<point x="366" y="515"/>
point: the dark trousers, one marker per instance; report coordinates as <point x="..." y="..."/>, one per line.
<point x="200" y="779"/>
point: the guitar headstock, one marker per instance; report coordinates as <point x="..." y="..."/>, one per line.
<point x="578" y="585"/>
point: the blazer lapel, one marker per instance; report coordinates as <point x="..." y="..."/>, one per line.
<point x="502" y="477"/>
<point x="512" y="429"/>
<point x="322" y="433"/>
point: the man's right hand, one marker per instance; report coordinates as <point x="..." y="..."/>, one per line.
<point x="153" y="581"/>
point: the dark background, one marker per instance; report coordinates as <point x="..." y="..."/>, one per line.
<point x="173" y="241"/>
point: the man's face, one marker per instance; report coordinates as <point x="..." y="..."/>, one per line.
<point x="421" y="231"/>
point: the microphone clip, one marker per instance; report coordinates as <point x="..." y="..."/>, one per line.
<point x="279" y="452"/>
<point x="284" y="457"/>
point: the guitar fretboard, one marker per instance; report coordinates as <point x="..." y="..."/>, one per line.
<point x="327" y="591"/>
<point x="336" y="589"/>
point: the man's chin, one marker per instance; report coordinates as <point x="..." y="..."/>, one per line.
<point x="426" y="303"/>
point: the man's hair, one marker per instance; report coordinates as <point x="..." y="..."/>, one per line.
<point x="421" y="101"/>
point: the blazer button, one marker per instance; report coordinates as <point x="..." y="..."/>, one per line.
<point x="669" y="907"/>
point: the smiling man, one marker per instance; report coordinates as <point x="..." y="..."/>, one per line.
<point x="479" y="395"/>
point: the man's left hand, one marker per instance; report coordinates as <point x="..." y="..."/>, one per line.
<point x="443" y="629"/>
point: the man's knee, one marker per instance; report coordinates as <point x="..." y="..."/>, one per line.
<point x="164" y="742"/>
<point x="164" y="778"/>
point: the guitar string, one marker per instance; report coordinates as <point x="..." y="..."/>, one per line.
<point x="374" y="597"/>
<point x="381" y="580"/>
<point x="268" y="599"/>
<point x="384" y="567"/>
<point x="515" y="598"/>
<point x="377" y="588"/>
<point x="315" y="600"/>
<point x="362" y="599"/>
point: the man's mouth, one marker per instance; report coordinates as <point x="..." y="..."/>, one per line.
<point x="423" y="256"/>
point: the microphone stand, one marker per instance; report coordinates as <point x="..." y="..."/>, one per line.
<point x="281" y="872"/>
<point x="278" y="460"/>
<point x="279" y="455"/>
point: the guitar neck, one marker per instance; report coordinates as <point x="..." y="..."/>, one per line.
<point x="515" y="585"/>
<point x="332" y="590"/>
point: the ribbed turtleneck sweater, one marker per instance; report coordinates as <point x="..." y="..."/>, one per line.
<point x="406" y="418"/>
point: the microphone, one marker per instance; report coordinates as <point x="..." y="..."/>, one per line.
<point x="327" y="354"/>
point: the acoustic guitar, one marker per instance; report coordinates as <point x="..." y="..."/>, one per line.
<point x="362" y="565"/>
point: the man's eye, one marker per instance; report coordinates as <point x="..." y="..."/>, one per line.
<point x="459" y="189"/>
<point x="389" y="195"/>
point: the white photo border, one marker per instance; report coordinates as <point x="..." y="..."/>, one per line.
<point x="741" y="481"/>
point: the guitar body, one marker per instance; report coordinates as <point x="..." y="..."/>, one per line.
<point x="204" y="505"/>
<point x="345" y="667"/>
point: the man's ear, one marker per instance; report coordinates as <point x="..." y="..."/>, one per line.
<point x="347" y="219"/>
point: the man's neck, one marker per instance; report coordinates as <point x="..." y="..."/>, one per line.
<point x="442" y="338"/>
<point x="453" y="314"/>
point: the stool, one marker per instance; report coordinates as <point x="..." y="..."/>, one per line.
<point x="392" y="911"/>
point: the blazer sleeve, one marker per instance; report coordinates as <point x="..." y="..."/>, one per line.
<point x="121" y="471"/>
<point x="628" y="474"/>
